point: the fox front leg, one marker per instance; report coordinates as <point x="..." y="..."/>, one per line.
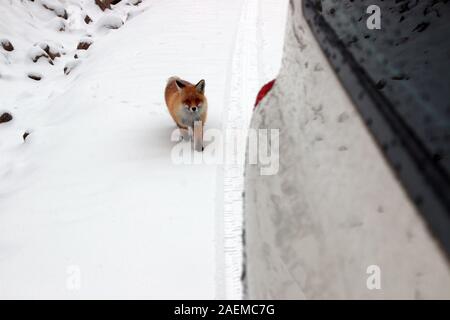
<point x="184" y="133"/>
<point x="198" y="136"/>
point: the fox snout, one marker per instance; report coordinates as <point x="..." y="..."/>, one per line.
<point x="193" y="109"/>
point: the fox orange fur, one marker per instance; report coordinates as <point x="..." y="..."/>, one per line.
<point x="188" y="107"/>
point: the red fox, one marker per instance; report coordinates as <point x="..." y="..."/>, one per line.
<point x="188" y="107"/>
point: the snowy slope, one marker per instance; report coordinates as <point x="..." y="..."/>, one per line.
<point x="91" y="203"/>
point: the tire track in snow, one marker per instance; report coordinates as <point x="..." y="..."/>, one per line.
<point x="243" y="86"/>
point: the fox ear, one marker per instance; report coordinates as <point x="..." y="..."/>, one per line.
<point x="180" y="84"/>
<point x="200" y="86"/>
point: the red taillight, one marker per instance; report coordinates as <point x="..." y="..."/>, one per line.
<point x="263" y="92"/>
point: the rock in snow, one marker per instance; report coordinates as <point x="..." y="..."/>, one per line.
<point x="7" y="45"/>
<point x="5" y="117"/>
<point x="110" y="21"/>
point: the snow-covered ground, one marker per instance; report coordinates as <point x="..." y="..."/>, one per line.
<point x="256" y="60"/>
<point x="91" y="203"/>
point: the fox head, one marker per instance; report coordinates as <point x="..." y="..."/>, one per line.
<point x="192" y="96"/>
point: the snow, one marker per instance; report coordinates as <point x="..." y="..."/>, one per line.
<point x="54" y="6"/>
<point x="92" y="196"/>
<point x="110" y="21"/>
